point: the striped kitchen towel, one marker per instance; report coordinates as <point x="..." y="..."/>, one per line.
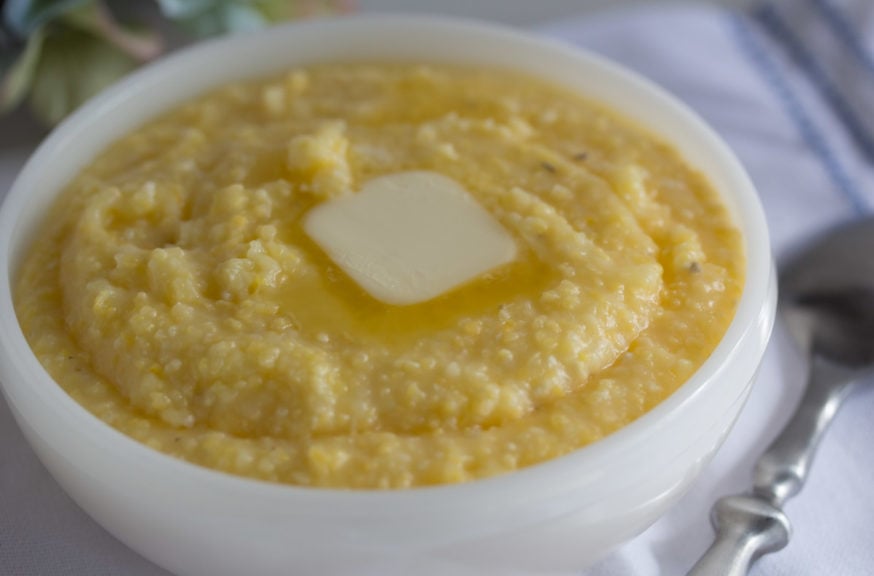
<point x="790" y="85"/>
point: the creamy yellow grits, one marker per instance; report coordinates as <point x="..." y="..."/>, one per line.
<point x="174" y="294"/>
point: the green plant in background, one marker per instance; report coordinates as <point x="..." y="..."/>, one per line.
<point x="58" y="53"/>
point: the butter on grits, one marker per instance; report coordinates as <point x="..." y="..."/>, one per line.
<point x="409" y="237"/>
<point x="175" y="293"/>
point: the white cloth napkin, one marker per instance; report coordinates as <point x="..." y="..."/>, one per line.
<point x="790" y="86"/>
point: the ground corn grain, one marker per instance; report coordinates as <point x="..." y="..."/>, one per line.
<point x="174" y="294"/>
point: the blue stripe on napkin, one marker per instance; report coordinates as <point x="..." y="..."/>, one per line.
<point x="775" y="78"/>
<point x="774" y="23"/>
<point x="844" y="30"/>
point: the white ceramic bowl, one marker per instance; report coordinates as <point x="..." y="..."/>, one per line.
<point x="553" y="518"/>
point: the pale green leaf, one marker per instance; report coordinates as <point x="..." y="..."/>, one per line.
<point x="203" y="18"/>
<point x="24" y="17"/>
<point x="74" y="66"/>
<point x="282" y="10"/>
<point x="143" y="45"/>
<point x="223" y="17"/>
<point x="16" y="82"/>
<point x="278" y="10"/>
<point x="185" y="9"/>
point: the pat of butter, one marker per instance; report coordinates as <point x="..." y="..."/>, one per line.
<point x="410" y="237"/>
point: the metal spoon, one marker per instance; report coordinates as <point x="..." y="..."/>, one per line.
<point x="827" y="301"/>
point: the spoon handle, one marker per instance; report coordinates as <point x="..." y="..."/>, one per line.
<point x="782" y="470"/>
<point x="751" y="525"/>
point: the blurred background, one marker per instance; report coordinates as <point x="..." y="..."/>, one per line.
<point x="524" y="13"/>
<point x="88" y="44"/>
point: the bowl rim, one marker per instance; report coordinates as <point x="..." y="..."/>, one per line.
<point x="749" y="316"/>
